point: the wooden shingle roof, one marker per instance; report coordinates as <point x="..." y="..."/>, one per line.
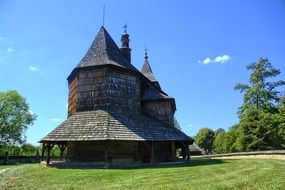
<point x="104" y="51"/>
<point x="147" y="72"/>
<point x="153" y="93"/>
<point x="104" y="125"/>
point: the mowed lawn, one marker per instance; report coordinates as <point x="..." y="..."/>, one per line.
<point x="199" y="174"/>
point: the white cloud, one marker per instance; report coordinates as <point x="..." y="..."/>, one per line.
<point x="218" y="59"/>
<point x="33" y="68"/>
<point x="10" y="49"/>
<point x="66" y="105"/>
<point x="55" y="119"/>
<point x="222" y="59"/>
<point x="207" y="60"/>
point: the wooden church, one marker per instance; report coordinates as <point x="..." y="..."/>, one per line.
<point x="116" y="114"/>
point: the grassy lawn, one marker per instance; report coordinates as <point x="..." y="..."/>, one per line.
<point x="199" y="174"/>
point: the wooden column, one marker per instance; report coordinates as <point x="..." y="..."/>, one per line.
<point x="187" y="151"/>
<point x="106" y="154"/>
<point x="152" y="152"/>
<point x="61" y="148"/>
<point x="48" y="153"/>
<point x="49" y="147"/>
<point x="184" y="150"/>
<point x="43" y="151"/>
<point x="173" y="150"/>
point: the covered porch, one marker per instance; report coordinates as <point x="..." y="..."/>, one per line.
<point x="108" y="153"/>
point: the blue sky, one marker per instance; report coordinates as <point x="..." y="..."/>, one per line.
<point x="198" y="50"/>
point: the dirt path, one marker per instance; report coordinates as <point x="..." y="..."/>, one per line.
<point x="7" y="172"/>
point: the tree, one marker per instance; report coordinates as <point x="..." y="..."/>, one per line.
<point x="281" y="120"/>
<point x="176" y="124"/>
<point x="29" y="149"/>
<point x="15" y="118"/>
<point x="260" y="93"/>
<point x="258" y="114"/>
<point x="228" y="141"/>
<point x="223" y="142"/>
<point x="220" y="130"/>
<point x="205" y="139"/>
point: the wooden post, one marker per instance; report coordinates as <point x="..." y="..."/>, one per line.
<point x="106" y="154"/>
<point x="187" y="151"/>
<point x="48" y="153"/>
<point x="173" y="151"/>
<point x="61" y="148"/>
<point x="49" y="147"/>
<point x="43" y="151"/>
<point x="152" y="152"/>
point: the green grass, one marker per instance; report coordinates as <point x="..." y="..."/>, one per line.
<point x="199" y="174"/>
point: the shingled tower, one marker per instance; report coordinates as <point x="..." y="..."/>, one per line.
<point x="116" y="114"/>
<point x="147" y="72"/>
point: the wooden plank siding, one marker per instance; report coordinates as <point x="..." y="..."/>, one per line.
<point x="102" y="88"/>
<point x="72" y="96"/>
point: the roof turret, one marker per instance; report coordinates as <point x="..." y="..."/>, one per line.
<point x="147" y="72"/>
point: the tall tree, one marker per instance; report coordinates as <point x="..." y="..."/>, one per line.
<point x="257" y="120"/>
<point x="260" y="92"/>
<point x="205" y="139"/>
<point x="15" y="118"/>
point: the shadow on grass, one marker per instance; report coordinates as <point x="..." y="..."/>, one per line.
<point x="192" y="163"/>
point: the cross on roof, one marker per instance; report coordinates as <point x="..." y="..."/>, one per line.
<point x="145" y="51"/>
<point x="125" y="27"/>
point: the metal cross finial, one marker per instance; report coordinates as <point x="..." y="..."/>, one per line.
<point x="125" y="26"/>
<point x="145" y="51"/>
<point x="103" y="15"/>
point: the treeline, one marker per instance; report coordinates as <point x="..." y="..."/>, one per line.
<point x="261" y="123"/>
<point x="26" y="150"/>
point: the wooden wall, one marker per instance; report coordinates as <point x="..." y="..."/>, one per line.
<point x="162" y="110"/>
<point x="120" y="152"/>
<point x="72" y="96"/>
<point x="123" y="91"/>
<point x="104" y="88"/>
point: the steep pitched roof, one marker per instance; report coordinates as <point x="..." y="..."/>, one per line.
<point x="104" y="51"/>
<point x="147" y="72"/>
<point x="104" y="125"/>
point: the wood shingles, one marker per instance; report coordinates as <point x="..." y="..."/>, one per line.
<point x="104" y="51"/>
<point x="108" y="125"/>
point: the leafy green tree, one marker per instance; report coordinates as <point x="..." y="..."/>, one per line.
<point x="205" y="139"/>
<point x="220" y="130"/>
<point x="281" y="120"/>
<point x="223" y="142"/>
<point x="15" y="118"/>
<point x="29" y="150"/>
<point x="259" y="115"/>
<point x="228" y="141"/>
